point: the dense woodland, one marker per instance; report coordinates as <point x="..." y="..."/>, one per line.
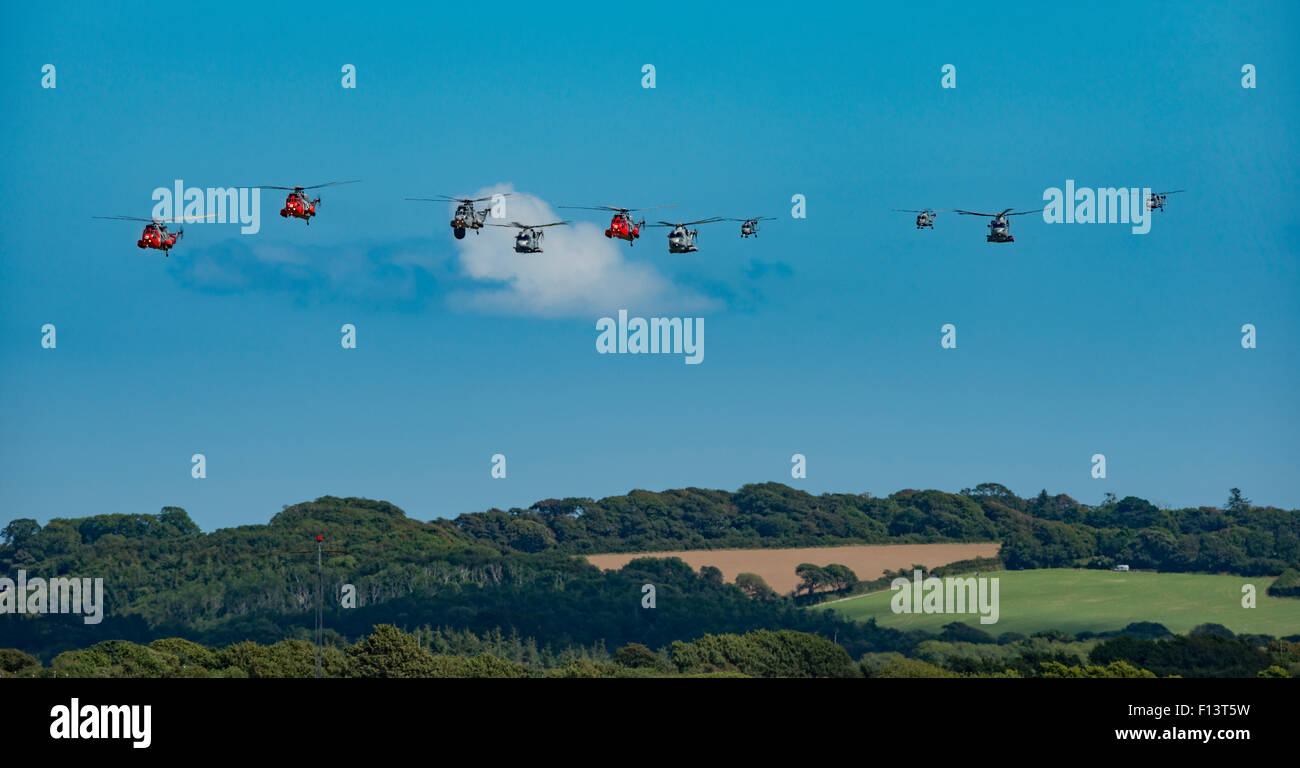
<point x="1140" y="650"/>
<point x="1040" y="532"/>
<point x="514" y="574"/>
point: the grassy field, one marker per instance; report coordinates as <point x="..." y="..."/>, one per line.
<point x="1078" y="600"/>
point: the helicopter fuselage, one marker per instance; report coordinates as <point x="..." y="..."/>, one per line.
<point x="528" y="241"/>
<point x="157" y="237"/>
<point x="467" y="218"/>
<point x="682" y="240"/>
<point x="622" y="227"/>
<point x="999" y="231"/>
<point x="297" y="206"/>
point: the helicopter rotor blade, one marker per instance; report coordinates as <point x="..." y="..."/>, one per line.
<point x="614" y="208"/>
<point x="188" y="218"/>
<point x="1171" y="192"/>
<point x="157" y="221"/>
<point x="518" y="225"/>
<point x="450" y="199"/>
<point x="1006" y="212"/>
<point x="330" y="184"/>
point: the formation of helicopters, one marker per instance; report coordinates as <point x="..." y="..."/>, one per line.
<point x="155" y="235"/>
<point x="681" y="237"/>
<point x="1000" y="226"/>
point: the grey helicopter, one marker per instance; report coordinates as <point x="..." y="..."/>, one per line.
<point x="681" y="239"/>
<point x="999" y="227"/>
<point x="1156" y="200"/>
<point x="465" y="217"/>
<point x="750" y="226"/>
<point x="924" y="218"/>
<point x="529" y="239"/>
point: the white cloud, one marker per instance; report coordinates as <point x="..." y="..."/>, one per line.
<point x="580" y="272"/>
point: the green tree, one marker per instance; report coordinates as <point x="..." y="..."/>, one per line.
<point x="753" y="585"/>
<point x="812" y="576"/>
<point x="1236" y="502"/>
<point x="15" y="663"/>
<point x="19" y="531"/>
<point x="389" y="652"/>
<point x="711" y="575"/>
<point x="484" y="665"/>
<point x="840" y="577"/>
<point x="637" y="655"/>
<point x="529" y="536"/>
<point x="901" y="666"/>
<point x="1114" y="669"/>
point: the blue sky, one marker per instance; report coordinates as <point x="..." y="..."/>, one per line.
<point x="822" y="335"/>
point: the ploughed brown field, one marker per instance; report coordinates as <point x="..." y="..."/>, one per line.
<point x="776" y="566"/>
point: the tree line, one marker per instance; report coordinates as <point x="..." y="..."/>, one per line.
<point x="1140" y="650"/>
<point x="164" y="578"/>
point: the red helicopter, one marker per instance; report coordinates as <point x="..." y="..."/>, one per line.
<point x="298" y="205"/>
<point x="621" y="225"/>
<point x="155" y="234"/>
